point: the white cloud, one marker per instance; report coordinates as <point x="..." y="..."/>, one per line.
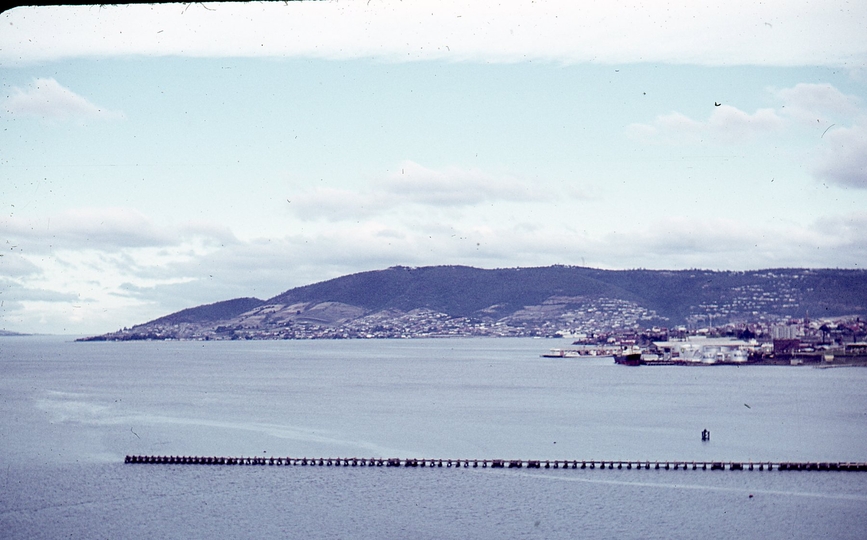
<point x="13" y="264"/>
<point x="726" y="124"/>
<point x="92" y="289"/>
<point x="337" y="204"/>
<point x="844" y="161"/>
<point x="48" y="99"/>
<point x="812" y="102"/>
<point x="677" y="122"/>
<point x="667" y="243"/>
<point x="85" y="268"/>
<point x="732" y="123"/>
<point x="840" y="119"/>
<point x="805" y="109"/>
<point x="818" y="97"/>
<point x="729" y="244"/>
<point x="454" y="186"/>
<point x="94" y="228"/>
<point x="106" y="229"/>
<point x="413" y="184"/>
<point x="738" y="32"/>
<point x="849" y="231"/>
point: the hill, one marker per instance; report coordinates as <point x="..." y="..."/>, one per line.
<point x="459" y="300"/>
<point x="6" y="333"/>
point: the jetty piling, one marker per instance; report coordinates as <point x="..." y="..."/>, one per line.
<point x="499" y="463"/>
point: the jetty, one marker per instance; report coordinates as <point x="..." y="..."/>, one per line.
<point x="500" y="463"/>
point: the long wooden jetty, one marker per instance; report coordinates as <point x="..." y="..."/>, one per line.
<point x="502" y="463"/>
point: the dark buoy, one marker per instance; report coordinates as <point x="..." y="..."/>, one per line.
<point x="705" y="435"/>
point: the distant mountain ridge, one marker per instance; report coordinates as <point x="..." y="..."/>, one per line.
<point x="7" y="333"/>
<point x="437" y="299"/>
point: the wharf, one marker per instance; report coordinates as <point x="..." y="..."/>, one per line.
<point x="502" y="463"/>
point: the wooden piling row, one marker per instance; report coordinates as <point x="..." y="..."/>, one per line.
<point x="501" y="463"/>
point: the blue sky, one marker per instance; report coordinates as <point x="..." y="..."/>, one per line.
<point x="154" y="158"/>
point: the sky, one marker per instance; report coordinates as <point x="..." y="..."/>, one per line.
<point x="158" y="157"/>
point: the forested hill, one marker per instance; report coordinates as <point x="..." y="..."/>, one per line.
<point x="533" y="296"/>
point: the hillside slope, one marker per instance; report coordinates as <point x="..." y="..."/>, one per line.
<point x="447" y="300"/>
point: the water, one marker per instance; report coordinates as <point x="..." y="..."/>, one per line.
<point x="70" y="412"/>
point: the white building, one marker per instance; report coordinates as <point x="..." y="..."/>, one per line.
<point x="704" y="350"/>
<point x="784" y="331"/>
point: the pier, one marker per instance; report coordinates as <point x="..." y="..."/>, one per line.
<point x="501" y="463"/>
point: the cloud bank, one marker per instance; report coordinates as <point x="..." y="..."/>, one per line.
<point x="844" y="161"/>
<point x="413" y="184"/>
<point x="47" y="99"/>
<point x="774" y="32"/>
<point x="726" y="124"/>
<point x="808" y="102"/>
<point x="838" y="120"/>
<point x="101" y="286"/>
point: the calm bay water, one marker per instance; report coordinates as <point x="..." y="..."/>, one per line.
<point x="70" y="412"/>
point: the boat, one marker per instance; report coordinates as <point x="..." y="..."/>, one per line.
<point x="628" y="359"/>
<point x="580" y="351"/>
<point x="562" y="353"/>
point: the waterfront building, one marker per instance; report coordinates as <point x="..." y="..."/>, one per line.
<point x="704" y="350"/>
<point x="784" y="331"/>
